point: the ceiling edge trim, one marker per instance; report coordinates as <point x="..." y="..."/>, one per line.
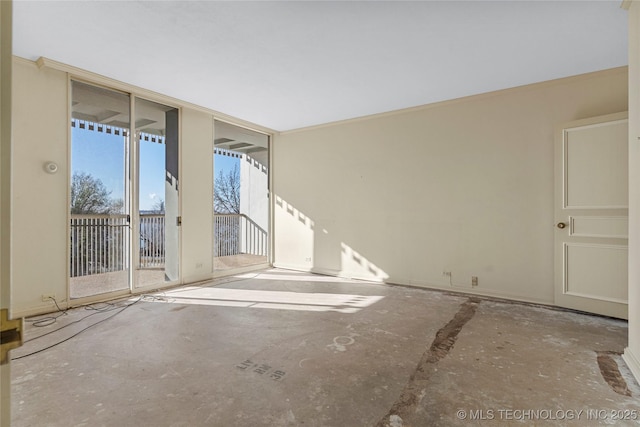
<point x="89" y="76"/>
<point x="470" y="98"/>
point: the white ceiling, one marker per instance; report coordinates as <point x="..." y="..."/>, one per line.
<point x="286" y="65"/>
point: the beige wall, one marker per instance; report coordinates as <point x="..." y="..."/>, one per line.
<point x="464" y="186"/>
<point x="39" y="231"/>
<point x="197" y="195"/>
<point x="632" y="353"/>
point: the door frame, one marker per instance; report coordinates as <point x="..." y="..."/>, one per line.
<point x="217" y="273"/>
<point x="6" y="147"/>
<point x="67" y="302"/>
<point x="132" y="186"/>
<point x="134" y="182"/>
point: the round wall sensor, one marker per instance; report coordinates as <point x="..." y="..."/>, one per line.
<point x="51" y="167"/>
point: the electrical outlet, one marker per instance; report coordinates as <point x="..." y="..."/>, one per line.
<point x="48" y="297"/>
<point x="446" y="273"/>
<point x="474" y="280"/>
<point x="198" y="265"/>
<point x="308" y="259"/>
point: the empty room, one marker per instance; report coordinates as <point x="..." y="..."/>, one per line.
<point x="377" y="213"/>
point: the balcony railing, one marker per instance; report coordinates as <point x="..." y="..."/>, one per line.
<point x="152" y="251"/>
<point x="100" y="243"/>
<point x="236" y="234"/>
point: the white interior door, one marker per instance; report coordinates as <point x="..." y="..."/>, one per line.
<point x="591" y="215"/>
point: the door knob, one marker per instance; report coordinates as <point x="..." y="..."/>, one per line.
<point x="561" y="225"/>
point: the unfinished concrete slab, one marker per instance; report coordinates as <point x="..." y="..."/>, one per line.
<point x="281" y="348"/>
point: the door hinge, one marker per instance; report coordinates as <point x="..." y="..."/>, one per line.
<point x="10" y="335"/>
<point x="179" y="221"/>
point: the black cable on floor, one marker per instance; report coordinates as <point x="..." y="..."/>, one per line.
<point x="48" y="320"/>
<point x="88" y="307"/>
<point x="123" y="308"/>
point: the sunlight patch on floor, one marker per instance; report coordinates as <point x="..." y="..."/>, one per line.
<point x="280" y="300"/>
<point x="298" y="277"/>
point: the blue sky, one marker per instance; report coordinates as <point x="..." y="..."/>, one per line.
<point x="224" y="163"/>
<point x="102" y="155"/>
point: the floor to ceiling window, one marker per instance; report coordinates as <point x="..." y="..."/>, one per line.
<point x="241" y="203"/>
<point x="99" y="204"/>
<point x="119" y="185"/>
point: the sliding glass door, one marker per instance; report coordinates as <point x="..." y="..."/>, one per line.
<point x="240" y="193"/>
<point x="157" y="207"/>
<point x="100" y="236"/>
<point x="124" y="192"/>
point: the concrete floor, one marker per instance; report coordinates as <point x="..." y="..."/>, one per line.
<point x="280" y="348"/>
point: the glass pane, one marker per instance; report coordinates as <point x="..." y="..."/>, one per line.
<point x="157" y="137"/>
<point x="99" y="224"/>
<point x="241" y="204"/>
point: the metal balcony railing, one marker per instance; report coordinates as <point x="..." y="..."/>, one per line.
<point x="100" y="243"/>
<point x="152" y="250"/>
<point x="236" y="234"/>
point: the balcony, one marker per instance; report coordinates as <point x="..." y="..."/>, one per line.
<point x="100" y="263"/>
<point x="239" y="242"/>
